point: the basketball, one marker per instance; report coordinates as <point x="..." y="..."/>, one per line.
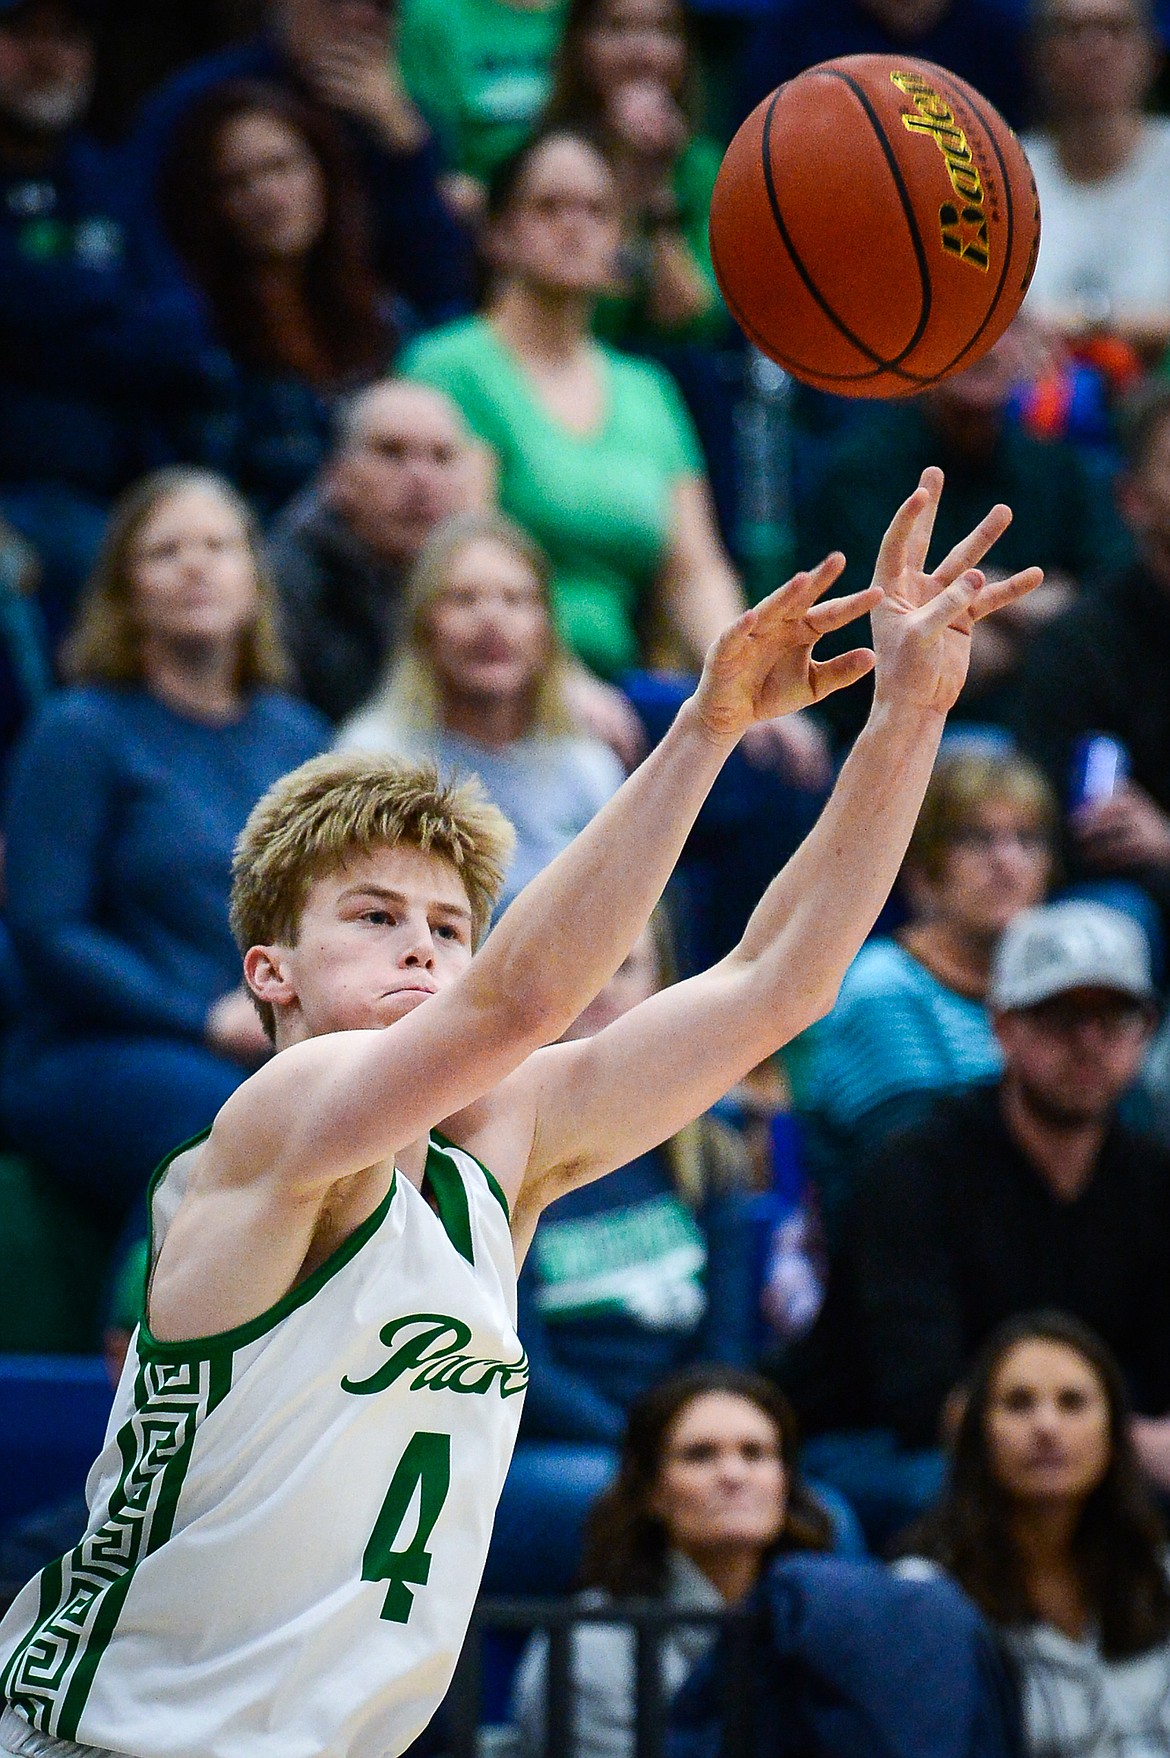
<point x="874" y="225"/>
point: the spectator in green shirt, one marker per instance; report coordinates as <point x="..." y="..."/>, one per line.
<point x="595" y="453"/>
<point x="480" y="70"/>
<point x="626" y="75"/>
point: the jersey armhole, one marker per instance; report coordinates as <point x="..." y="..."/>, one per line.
<point x="490" y="1179"/>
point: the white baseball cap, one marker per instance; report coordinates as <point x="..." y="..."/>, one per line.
<point x="1062" y="946"/>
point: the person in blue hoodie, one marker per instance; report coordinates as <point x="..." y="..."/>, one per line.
<point x="100" y="342"/>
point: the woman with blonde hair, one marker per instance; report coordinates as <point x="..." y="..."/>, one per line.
<point x="480" y="686"/>
<point x="128" y="792"/>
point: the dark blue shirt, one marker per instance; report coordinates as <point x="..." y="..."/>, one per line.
<point x="102" y="345"/>
<point x="622" y="1285"/>
<point x="122" y="816"/>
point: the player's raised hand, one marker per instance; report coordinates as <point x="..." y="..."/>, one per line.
<point x="762" y="665"/>
<point x="922" y="622"/>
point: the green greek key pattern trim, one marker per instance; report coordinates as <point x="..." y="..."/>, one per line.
<point x="50" y="1676"/>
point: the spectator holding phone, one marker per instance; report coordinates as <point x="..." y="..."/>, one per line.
<point x="1102" y="666"/>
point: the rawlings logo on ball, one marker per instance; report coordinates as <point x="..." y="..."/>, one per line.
<point x="963" y="227"/>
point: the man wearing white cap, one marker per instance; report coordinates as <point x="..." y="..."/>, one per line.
<point x="1022" y="1194"/>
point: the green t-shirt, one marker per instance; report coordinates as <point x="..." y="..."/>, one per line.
<point x="599" y="503"/>
<point x="480" y="70"/>
<point x="622" y="317"/>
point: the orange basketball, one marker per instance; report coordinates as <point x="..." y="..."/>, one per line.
<point x="874" y="225"/>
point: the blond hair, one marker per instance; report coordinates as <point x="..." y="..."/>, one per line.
<point x="963" y="783"/>
<point x="410" y="694"/>
<point x="106" y="645"/>
<point x="344" y="805"/>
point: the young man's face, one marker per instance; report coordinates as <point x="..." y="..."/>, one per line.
<point x="1070" y="1058"/>
<point x="376" y="939"/>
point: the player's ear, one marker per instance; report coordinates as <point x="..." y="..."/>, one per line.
<point x="266" y="974"/>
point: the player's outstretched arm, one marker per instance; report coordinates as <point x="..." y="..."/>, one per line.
<point x="600" y="1102"/>
<point x="331" y="1106"/>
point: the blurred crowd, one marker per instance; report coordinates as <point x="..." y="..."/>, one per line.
<point x="365" y="381"/>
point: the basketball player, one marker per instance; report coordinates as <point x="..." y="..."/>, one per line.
<point x="290" y="1517"/>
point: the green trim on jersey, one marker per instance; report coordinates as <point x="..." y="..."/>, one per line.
<point x="225" y="1343"/>
<point x="446" y="1184"/>
<point x="50" y="1675"/>
<point x="160" y="1173"/>
<point x="492" y="1183"/>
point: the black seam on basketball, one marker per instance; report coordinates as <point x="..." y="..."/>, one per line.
<point x="810" y="285"/>
<point x="767" y="346"/>
<point x="801" y="369"/>
<point x="927" y="293"/>
<point x="966" y="95"/>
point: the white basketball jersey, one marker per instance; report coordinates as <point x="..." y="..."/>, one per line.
<point x="289" y="1521"/>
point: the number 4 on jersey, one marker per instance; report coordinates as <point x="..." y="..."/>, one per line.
<point x="427" y="1464"/>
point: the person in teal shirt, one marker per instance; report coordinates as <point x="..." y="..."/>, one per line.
<point x="595" y="453"/>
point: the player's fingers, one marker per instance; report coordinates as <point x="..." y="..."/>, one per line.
<point x="975" y="545"/>
<point x="794" y="597"/>
<point x="952" y="603"/>
<point x="836" y="612"/>
<point x="997" y="593"/>
<point x="891" y="559"/>
<point x="931" y="482"/>
<point x="838" y="673"/>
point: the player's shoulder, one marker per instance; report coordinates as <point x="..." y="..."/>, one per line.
<point x="253" y="1127"/>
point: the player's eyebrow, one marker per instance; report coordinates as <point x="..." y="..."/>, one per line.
<point x="451" y="909"/>
<point x="387" y="894"/>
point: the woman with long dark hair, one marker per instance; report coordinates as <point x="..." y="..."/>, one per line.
<point x="266" y="213"/>
<point x="1048" y="1526"/>
<point x="706" y="1494"/>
